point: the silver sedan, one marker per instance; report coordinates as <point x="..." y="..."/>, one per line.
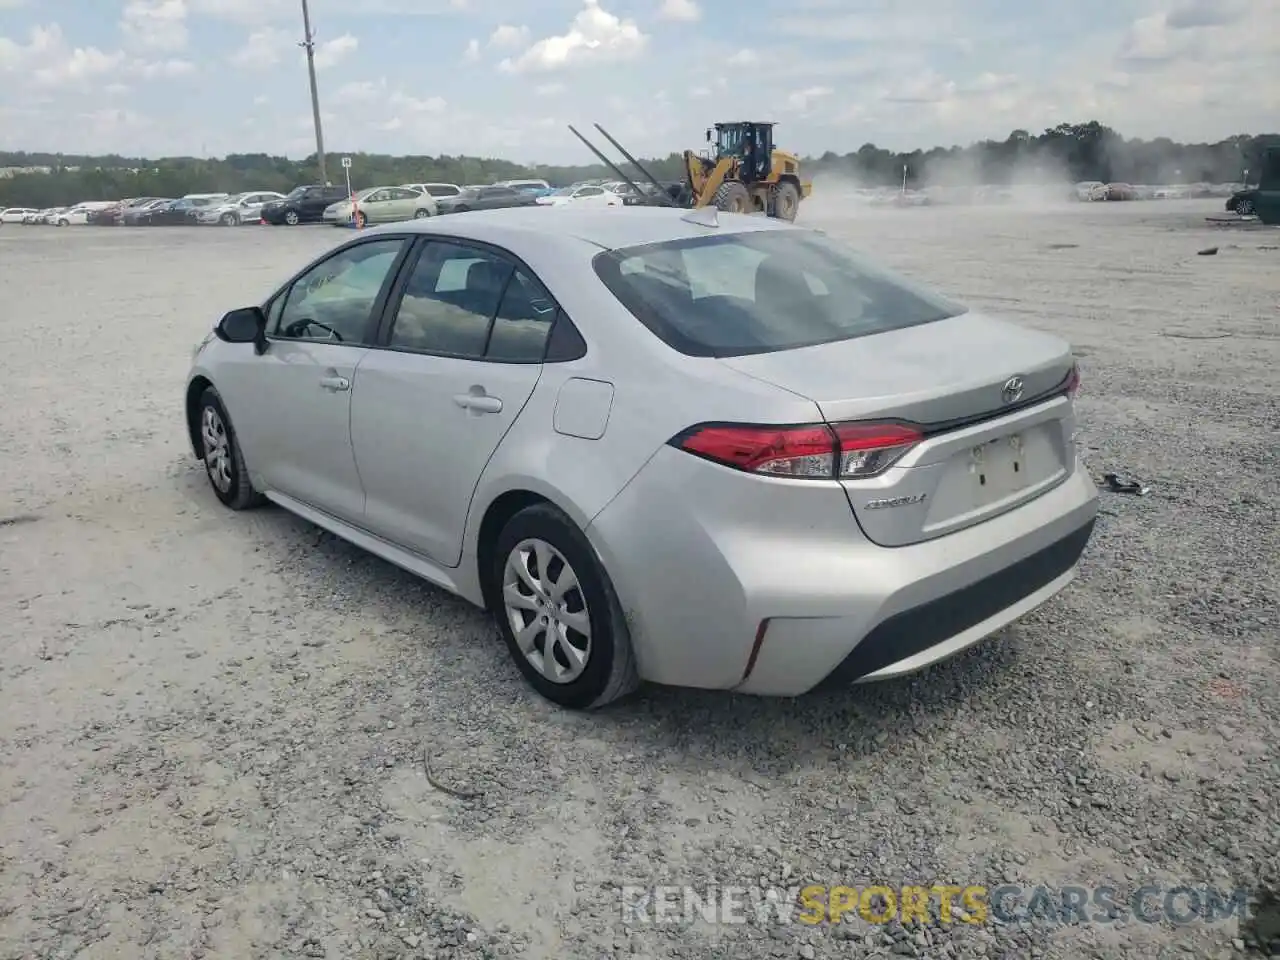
<point x="705" y="450"/>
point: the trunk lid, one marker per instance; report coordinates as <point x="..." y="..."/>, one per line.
<point x="983" y="453"/>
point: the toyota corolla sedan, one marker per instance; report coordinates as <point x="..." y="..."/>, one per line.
<point x="705" y="450"/>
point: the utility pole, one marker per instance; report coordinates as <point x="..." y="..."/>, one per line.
<point x="310" y="46"/>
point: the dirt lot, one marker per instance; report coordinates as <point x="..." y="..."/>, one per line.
<point x="212" y="725"/>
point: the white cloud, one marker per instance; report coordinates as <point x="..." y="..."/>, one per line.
<point x="549" y="89"/>
<point x="745" y="57"/>
<point x="262" y="49"/>
<point x="48" y="62"/>
<point x="594" y="35"/>
<point x="359" y="91"/>
<point x="332" y="52"/>
<point x="804" y="99"/>
<point x="155" y="24"/>
<point x="507" y="37"/>
<point x="472" y="53"/>
<point x="680" y="10"/>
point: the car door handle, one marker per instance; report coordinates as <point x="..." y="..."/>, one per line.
<point x="335" y="383"/>
<point x="480" y="403"/>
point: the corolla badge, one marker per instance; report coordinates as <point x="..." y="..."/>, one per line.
<point x="1011" y="392"/>
<point x="887" y="502"/>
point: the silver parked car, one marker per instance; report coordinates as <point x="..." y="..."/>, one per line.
<point x="712" y="451"/>
<point x="238" y="209"/>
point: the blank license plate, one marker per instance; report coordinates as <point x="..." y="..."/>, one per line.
<point x="999" y="468"/>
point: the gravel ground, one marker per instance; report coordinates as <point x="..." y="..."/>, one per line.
<point x="213" y="725"/>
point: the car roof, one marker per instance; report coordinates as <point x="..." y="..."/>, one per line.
<point x="608" y="228"/>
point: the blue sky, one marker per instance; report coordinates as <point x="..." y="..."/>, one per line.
<point x="504" y="77"/>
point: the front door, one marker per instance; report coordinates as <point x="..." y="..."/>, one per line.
<point x="461" y="358"/>
<point x="295" y="399"/>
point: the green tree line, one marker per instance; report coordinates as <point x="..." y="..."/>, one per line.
<point x="1076" y="151"/>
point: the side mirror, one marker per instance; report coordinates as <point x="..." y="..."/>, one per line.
<point x="246" y="325"/>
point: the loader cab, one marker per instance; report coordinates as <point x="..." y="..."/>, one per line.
<point x="749" y="142"/>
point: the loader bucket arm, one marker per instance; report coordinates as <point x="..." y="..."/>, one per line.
<point x="607" y="162"/>
<point x="631" y="160"/>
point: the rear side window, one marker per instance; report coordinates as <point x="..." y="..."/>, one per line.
<point x="441" y="190"/>
<point x="760" y="292"/>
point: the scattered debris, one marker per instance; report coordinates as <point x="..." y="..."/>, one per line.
<point x="1117" y="484"/>
<point x="20" y="518"/>
<point x="460" y="794"/>
<point x="1063" y="246"/>
<point x="1194" y="336"/>
<point x="1209" y="252"/>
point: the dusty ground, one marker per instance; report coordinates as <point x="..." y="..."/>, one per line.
<point x="212" y="725"/>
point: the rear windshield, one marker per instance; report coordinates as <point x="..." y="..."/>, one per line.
<point x="759" y="292"/>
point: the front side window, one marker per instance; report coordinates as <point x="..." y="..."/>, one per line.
<point x="762" y="291"/>
<point x="590" y="192"/>
<point x="334" y="299"/>
<point x="450" y="299"/>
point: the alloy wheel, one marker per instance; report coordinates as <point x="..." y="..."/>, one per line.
<point x="217" y="449"/>
<point x="544" y="603"/>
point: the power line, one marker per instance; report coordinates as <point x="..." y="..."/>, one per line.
<point x="309" y="45"/>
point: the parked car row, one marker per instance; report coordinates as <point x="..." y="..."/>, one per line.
<point x="326" y="203"/>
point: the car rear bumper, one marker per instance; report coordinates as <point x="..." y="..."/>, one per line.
<point x="765" y="586"/>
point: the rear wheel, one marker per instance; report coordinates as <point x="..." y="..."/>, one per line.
<point x="785" y="201"/>
<point x="558" y="612"/>
<point x="421" y="213"/>
<point x="732" y="197"/>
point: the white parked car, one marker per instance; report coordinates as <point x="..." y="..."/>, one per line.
<point x="78" y="215"/>
<point x="435" y="189"/>
<point x="701" y="449"/>
<point x="237" y="209"/>
<point x="17" y="214"/>
<point x="586" y="195"/>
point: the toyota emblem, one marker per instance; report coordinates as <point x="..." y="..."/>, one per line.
<point x="1011" y="392"/>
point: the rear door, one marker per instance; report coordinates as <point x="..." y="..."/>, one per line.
<point x="459" y="356"/>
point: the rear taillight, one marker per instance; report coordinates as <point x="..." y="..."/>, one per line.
<point x="1073" y="381"/>
<point x="809" y="452"/>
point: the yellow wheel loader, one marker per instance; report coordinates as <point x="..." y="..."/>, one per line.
<point x="741" y="173"/>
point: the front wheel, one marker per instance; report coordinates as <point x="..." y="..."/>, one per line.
<point x="220" y="451"/>
<point x="558" y="612"/>
<point x="1245" y="208"/>
<point x="291" y="218"/>
<point x="228" y="220"/>
<point x="361" y="219"/>
<point x="732" y="197"/>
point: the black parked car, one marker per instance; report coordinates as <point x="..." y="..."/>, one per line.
<point x="486" y="198"/>
<point x="175" y="213"/>
<point x="140" y="215"/>
<point x="303" y="205"/>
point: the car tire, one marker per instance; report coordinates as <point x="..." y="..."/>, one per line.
<point x="291" y="218"/>
<point x="221" y="455"/>
<point x="1244" y="208"/>
<point x="461" y="209"/>
<point x="607" y="670"/>
<point x="229" y="220"/>
<point x="361" y="220"/>
<point x="421" y="213"/>
<point x="63" y="223"/>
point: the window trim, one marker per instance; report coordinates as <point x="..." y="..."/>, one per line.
<point x="391" y="306"/>
<point x="373" y="323"/>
